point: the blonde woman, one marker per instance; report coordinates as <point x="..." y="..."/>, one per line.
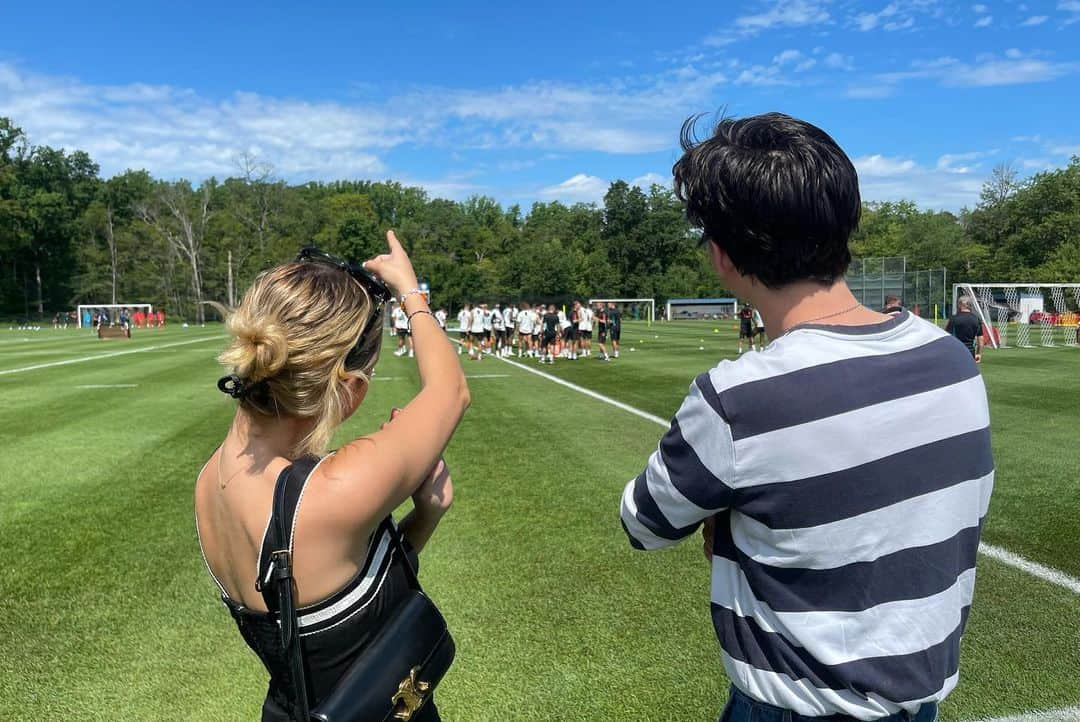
<point x="305" y="340"/>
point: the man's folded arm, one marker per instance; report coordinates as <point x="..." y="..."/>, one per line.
<point x="684" y="480"/>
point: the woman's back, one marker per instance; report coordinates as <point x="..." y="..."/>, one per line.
<point x="233" y="509"/>
<point x="336" y="628"/>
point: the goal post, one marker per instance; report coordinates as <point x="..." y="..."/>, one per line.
<point x="112" y="308"/>
<point x="650" y="303"/>
<point x="1031" y="312"/>
<point x="700" y="307"/>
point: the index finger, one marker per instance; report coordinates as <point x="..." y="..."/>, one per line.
<point x="393" y="242"/>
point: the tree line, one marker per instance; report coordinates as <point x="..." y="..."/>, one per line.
<point x="70" y="236"/>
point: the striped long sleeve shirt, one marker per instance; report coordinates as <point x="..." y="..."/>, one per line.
<point x="848" y="472"/>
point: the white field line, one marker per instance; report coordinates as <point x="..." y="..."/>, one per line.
<point x="1048" y="574"/>
<point x="1063" y="714"/>
<point x="587" y="392"/>
<point x="65" y="362"/>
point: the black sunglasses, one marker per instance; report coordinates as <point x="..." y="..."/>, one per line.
<point x="379" y="292"/>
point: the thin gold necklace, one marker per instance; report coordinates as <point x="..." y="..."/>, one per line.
<point x="225" y="483"/>
<point x="822" y="318"/>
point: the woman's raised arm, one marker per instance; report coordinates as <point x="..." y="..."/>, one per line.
<point x="383" y="469"/>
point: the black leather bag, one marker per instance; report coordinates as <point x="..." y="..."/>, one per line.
<point x="394" y="677"/>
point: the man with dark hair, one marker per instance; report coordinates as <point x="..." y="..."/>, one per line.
<point x="892" y="305"/>
<point x="614" y="327"/>
<point x="967" y="328"/>
<point x="842" y="571"/>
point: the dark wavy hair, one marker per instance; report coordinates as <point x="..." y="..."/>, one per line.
<point x="775" y="193"/>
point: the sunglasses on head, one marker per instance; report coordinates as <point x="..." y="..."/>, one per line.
<point x="379" y="292"/>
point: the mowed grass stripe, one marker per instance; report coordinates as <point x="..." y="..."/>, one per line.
<point x="109" y="354"/>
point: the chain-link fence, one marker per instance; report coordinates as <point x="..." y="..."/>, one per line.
<point x="873" y="280"/>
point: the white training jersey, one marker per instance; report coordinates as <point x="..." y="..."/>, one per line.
<point x="497" y="319"/>
<point x="564" y="322"/>
<point x="537" y="322"/>
<point x="401" y="320"/>
<point x="525" y="322"/>
<point x="486" y="314"/>
<point x="440" y="316"/>
<point x="758" y="323"/>
<point x="585" y="319"/>
<point x="463" y="318"/>
<point x="477" y="320"/>
<point x="509" y="315"/>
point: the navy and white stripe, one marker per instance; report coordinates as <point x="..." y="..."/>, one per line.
<point x="848" y="471"/>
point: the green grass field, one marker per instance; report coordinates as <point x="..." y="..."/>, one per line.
<point x="107" y="613"/>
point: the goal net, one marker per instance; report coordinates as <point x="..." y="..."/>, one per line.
<point x="682" y="308"/>
<point x="632" y="309"/>
<point x="1025" y="315"/>
<point x="110" y="313"/>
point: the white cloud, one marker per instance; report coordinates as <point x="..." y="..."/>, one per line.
<point x="836" y="61"/>
<point x="800" y="63"/>
<point x="897" y="15"/>
<point x="1072" y="7"/>
<point x="786" y="13"/>
<point x="880" y="166"/>
<point x="950" y="162"/>
<point x="1034" y="20"/>
<point x="780" y="14"/>
<point x="580" y="188"/>
<point x="883" y="178"/>
<point x="979" y="9"/>
<point x="984" y="21"/>
<point x="1015" y="69"/>
<point x="761" y="75"/>
<point x="788" y="56"/>
<point x="177" y="132"/>
<point x="644" y="182"/>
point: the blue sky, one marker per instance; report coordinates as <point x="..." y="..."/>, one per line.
<point x="543" y="101"/>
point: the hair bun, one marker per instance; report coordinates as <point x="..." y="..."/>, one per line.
<point x="260" y="348"/>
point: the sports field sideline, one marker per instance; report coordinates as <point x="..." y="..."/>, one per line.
<point x="107" y="612"/>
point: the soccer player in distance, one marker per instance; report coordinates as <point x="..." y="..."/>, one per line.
<point x="842" y="571"/>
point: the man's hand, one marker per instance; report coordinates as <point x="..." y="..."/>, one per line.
<point x="707" y="528"/>
<point x="978" y="357"/>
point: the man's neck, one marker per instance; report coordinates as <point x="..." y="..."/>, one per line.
<point x="807" y="302"/>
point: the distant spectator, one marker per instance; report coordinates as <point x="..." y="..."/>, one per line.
<point x="892" y="305"/>
<point x="967" y="328"/>
<point x="161" y="318"/>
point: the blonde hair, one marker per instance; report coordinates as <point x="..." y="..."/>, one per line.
<point x="291" y="334"/>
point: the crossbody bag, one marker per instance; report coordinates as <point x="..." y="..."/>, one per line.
<point x="396" y="674"/>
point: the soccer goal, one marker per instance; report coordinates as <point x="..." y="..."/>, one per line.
<point x="678" y="308"/>
<point x="1025" y="314"/>
<point x="632" y="308"/>
<point x="85" y="312"/>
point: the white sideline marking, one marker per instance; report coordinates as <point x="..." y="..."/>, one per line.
<point x="4" y="372"/>
<point x="1048" y="574"/>
<point x="106" y="386"/>
<point x="1063" y="714"/>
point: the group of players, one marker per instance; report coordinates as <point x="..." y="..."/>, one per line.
<point x="543" y="333"/>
